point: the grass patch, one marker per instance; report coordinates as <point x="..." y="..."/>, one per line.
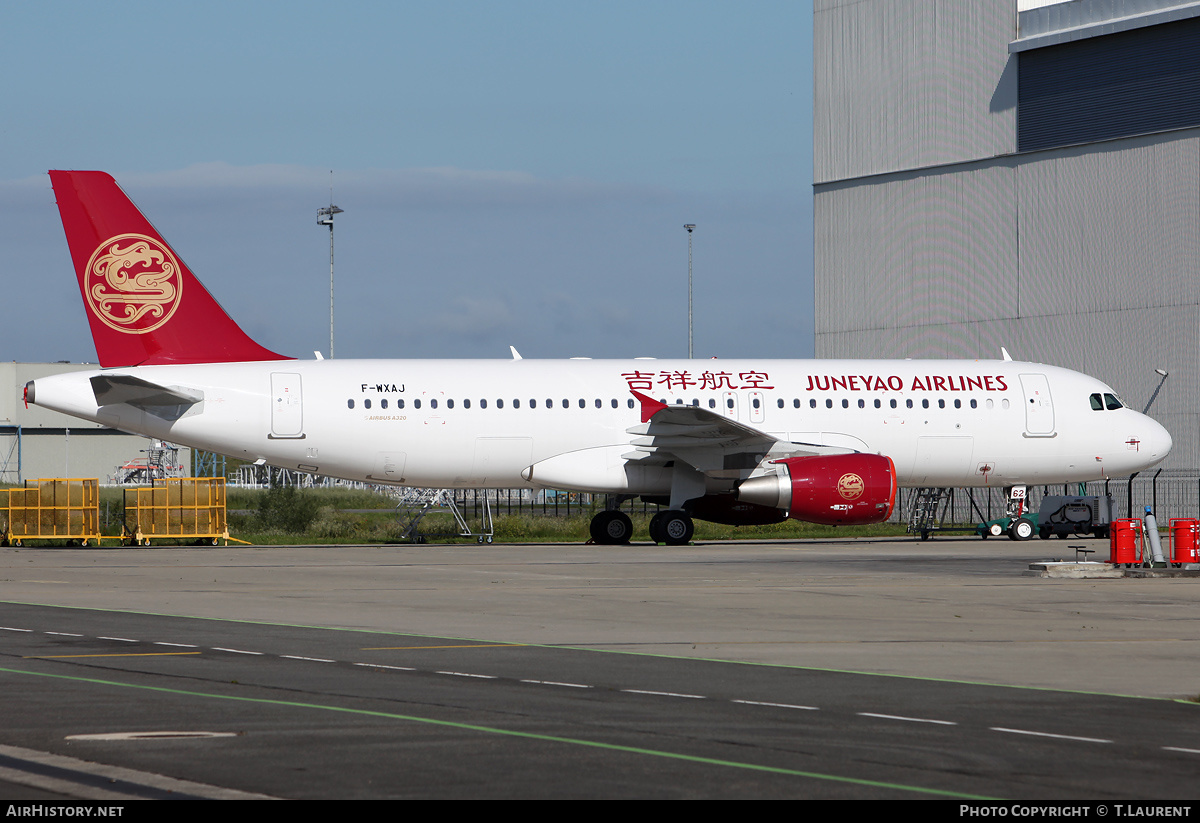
<point x="291" y="516"/>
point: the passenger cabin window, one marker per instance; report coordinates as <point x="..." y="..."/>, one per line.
<point x="383" y="403"/>
<point x="350" y="403"/>
<point x="366" y="404"/>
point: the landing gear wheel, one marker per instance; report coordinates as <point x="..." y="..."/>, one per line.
<point x="673" y="528"/>
<point x="656" y="531"/>
<point x="611" y="528"/>
<point x="1021" y="529"/>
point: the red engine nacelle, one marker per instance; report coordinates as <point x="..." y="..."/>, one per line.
<point x="838" y="490"/>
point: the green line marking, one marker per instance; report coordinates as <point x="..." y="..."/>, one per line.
<point x="709" y="761"/>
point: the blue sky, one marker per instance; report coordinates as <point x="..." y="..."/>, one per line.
<point x="512" y="172"/>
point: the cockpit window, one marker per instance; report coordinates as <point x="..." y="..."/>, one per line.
<point x="1111" y="402"/>
<point x="1097" y="403"/>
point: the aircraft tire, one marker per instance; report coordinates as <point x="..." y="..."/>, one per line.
<point x="611" y="528"/>
<point x="1021" y="529"/>
<point x="656" y="531"/>
<point x="677" y="528"/>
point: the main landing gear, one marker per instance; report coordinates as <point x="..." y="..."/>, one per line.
<point x="611" y="528"/>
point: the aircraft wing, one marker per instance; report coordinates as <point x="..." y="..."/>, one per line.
<point x="168" y="402"/>
<point x="707" y="440"/>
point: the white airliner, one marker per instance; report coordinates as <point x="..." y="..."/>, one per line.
<point x="732" y="441"/>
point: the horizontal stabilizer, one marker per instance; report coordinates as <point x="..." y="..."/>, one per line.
<point x="111" y="389"/>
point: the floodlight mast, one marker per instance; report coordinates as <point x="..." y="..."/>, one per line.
<point x="325" y="218"/>
<point x="689" y="227"/>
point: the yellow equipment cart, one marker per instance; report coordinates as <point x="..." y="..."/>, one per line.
<point x="66" y="509"/>
<point x="179" y="508"/>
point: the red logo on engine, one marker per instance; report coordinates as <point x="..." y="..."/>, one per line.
<point x="850" y="486"/>
<point x="133" y="283"/>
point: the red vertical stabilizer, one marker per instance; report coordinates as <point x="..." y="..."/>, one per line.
<point x="144" y="305"/>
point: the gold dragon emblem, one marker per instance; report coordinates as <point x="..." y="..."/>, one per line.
<point x="850" y="486"/>
<point x="133" y="283"/>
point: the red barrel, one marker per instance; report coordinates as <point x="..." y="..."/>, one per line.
<point x="1123" y="540"/>
<point x="1184" y="532"/>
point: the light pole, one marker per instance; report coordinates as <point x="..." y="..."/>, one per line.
<point x="689" y="227"/>
<point x="325" y="218"/>
<point x="1162" y="373"/>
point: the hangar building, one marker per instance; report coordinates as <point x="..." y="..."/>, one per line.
<point x="1017" y="173"/>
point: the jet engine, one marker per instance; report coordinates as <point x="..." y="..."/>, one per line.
<point x="836" y="490"/>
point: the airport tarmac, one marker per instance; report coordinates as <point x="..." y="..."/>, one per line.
<point x="844" y="668"/>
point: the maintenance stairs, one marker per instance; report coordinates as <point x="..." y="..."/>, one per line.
<point x="417" y="503"/>
<point x="928" y="511"/>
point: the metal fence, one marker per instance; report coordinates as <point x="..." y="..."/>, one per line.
<point x="542" y="503"/>
<point x="1170" y="494"/>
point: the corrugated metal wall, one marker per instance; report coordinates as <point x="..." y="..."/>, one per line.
<point x="1131" y="82"/>
<point x="1085" y="257"/>
<point x="1087" y="261"/>
<point x="904" y="84"/>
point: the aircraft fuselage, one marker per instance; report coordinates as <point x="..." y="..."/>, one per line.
<point x="485" y="423"/>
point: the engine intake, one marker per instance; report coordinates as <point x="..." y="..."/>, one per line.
<point x="838" y="490"/>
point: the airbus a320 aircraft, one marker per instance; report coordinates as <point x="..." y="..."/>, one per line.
<point x="732" y="441"/>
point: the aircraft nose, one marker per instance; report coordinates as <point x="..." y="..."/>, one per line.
<point x="1156" y="440"/>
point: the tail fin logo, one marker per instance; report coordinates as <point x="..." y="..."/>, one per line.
<point x="134" y="283"/>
